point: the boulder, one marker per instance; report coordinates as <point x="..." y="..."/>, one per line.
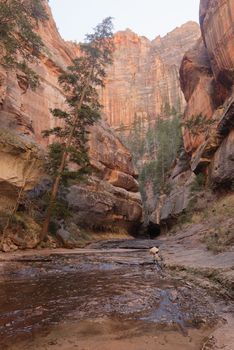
<point x="101" y="206"/>
<point x="66" y="237"/>
<point x="122" y="180"/>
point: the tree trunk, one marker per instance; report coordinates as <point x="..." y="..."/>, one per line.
<point x="56" y="183"/>
<point x="53" y="196"/>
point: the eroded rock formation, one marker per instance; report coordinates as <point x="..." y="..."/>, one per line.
<point x="207" y="80"/>
<point x="111" y="198"/>
<point x="206" y="72"/>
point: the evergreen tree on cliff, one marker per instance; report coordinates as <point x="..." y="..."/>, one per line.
<point x="80" y="83"/>
<point x="19" y="43"/>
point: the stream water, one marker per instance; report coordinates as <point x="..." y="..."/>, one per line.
<point x="80" y="299"/>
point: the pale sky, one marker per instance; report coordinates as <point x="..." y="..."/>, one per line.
<point x="150" y="18"/>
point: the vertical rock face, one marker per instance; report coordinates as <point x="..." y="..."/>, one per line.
<point x="111" y="197"/>
<point x="206" y="76"/>
<point x="197" y="83"/>
<point x="26" y="110"/>
<point x="216" y="18"/>
<point x="145" y="75"/>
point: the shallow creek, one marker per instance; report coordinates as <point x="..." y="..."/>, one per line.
<point x="99" y="299"/>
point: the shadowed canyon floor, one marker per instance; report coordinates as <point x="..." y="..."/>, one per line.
<point x="105" y="298"/>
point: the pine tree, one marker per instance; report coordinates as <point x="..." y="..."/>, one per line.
<point x="19" y="43"/>
<point x="167" y="142"/>
<point x="79" y="83"/>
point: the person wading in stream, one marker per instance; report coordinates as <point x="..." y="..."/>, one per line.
<point x="157" y="258"/>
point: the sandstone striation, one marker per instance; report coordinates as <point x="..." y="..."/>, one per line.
<point x="144" y="76"/>
<point x="26" y="114"/>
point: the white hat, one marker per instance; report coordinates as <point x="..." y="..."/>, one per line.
<point x="154" y="250"/>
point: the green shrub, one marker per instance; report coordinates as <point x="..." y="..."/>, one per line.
<point x="198" y="183"/>
<point x="53" y="227"/>
<point x="197" y="124"/>
<point x="19" y="42"/>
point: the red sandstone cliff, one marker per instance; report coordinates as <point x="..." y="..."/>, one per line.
<point x="216" y="19"/>
<point x="25" y="113"/>
<point x="145" y="75"/>
<point x="207" y="79"/>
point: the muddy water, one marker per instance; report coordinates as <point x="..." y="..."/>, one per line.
<point x="89" y="299"/>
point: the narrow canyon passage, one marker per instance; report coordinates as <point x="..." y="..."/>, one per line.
<point x="112" y="145"/>
<point x="116" y="297"/>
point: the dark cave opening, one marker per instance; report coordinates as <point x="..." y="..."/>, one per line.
<point x="153" y="230"/>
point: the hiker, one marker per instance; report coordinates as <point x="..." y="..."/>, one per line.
<point x="156" y="256"/>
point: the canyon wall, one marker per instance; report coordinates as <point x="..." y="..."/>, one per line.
<point x="216" y="19"/>
<point x="110" y="199"/>
<point x="141" y="85"/>
<point x="207" y="81"/>
<point x="145" y="75"/>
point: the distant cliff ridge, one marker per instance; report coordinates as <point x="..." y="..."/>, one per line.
<point x="145" y="75"/>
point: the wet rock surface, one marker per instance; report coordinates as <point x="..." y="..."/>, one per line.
<point x="38" y="292"/>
